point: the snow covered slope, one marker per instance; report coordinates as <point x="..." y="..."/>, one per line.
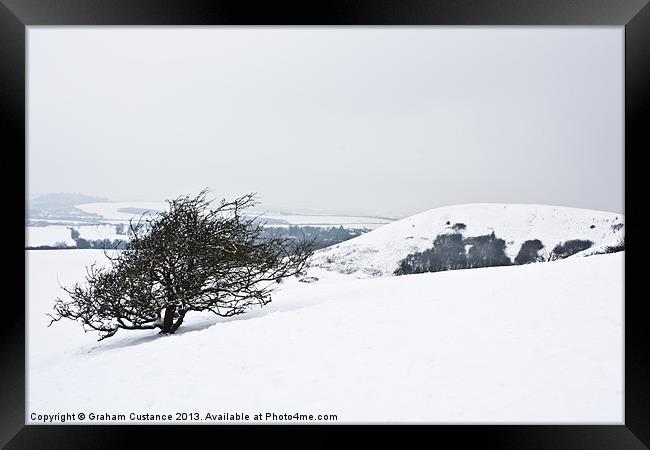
<point x="378" y="252"/>
<point x="535" y="343"/>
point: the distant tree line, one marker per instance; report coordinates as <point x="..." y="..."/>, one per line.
<point x="452" y="251"/>
<point x="322" y="237"/>
<point x="100" y="244"/>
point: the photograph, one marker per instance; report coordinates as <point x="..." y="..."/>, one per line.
<point x="325" y="225"/>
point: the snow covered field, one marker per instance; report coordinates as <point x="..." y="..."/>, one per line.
<point x="541" y="343"/>
<point x="323" y="220"/>
<point x="50" y="235"/>
<point x="110" y="212"/>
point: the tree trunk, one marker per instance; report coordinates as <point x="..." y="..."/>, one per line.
<point x="168" y="321"/>
<point x="178" y="322"/>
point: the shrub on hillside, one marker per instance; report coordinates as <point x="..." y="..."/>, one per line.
<point x="529" y="252"/>
<point x="617" y="226"/>
<point x="619" y="247"/>
<point x="487" y="251"/>
<point x="447" y="253"/>
<point x="568" y="248"/>
<point x="459" y="227"/>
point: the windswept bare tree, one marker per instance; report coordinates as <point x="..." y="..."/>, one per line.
<point x="188" y="258"/>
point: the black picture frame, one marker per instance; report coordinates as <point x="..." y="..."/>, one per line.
<point x="16" y="15"/>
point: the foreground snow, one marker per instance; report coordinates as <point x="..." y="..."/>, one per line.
<point x="379" y="252"/>
<point x="536" y="343"/>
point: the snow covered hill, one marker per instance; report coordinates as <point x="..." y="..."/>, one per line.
<point x="378" y="252"/>
<point x="541" y="343"/>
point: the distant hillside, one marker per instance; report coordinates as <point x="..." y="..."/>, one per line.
<point x="379" y="252"/>
<point x="60" y="207"/>
<point x="63" y="199"/>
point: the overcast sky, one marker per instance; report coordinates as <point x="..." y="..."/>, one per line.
<point x="377" y="120"/>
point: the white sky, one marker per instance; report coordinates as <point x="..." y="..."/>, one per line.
<point x="375" y="120"/>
